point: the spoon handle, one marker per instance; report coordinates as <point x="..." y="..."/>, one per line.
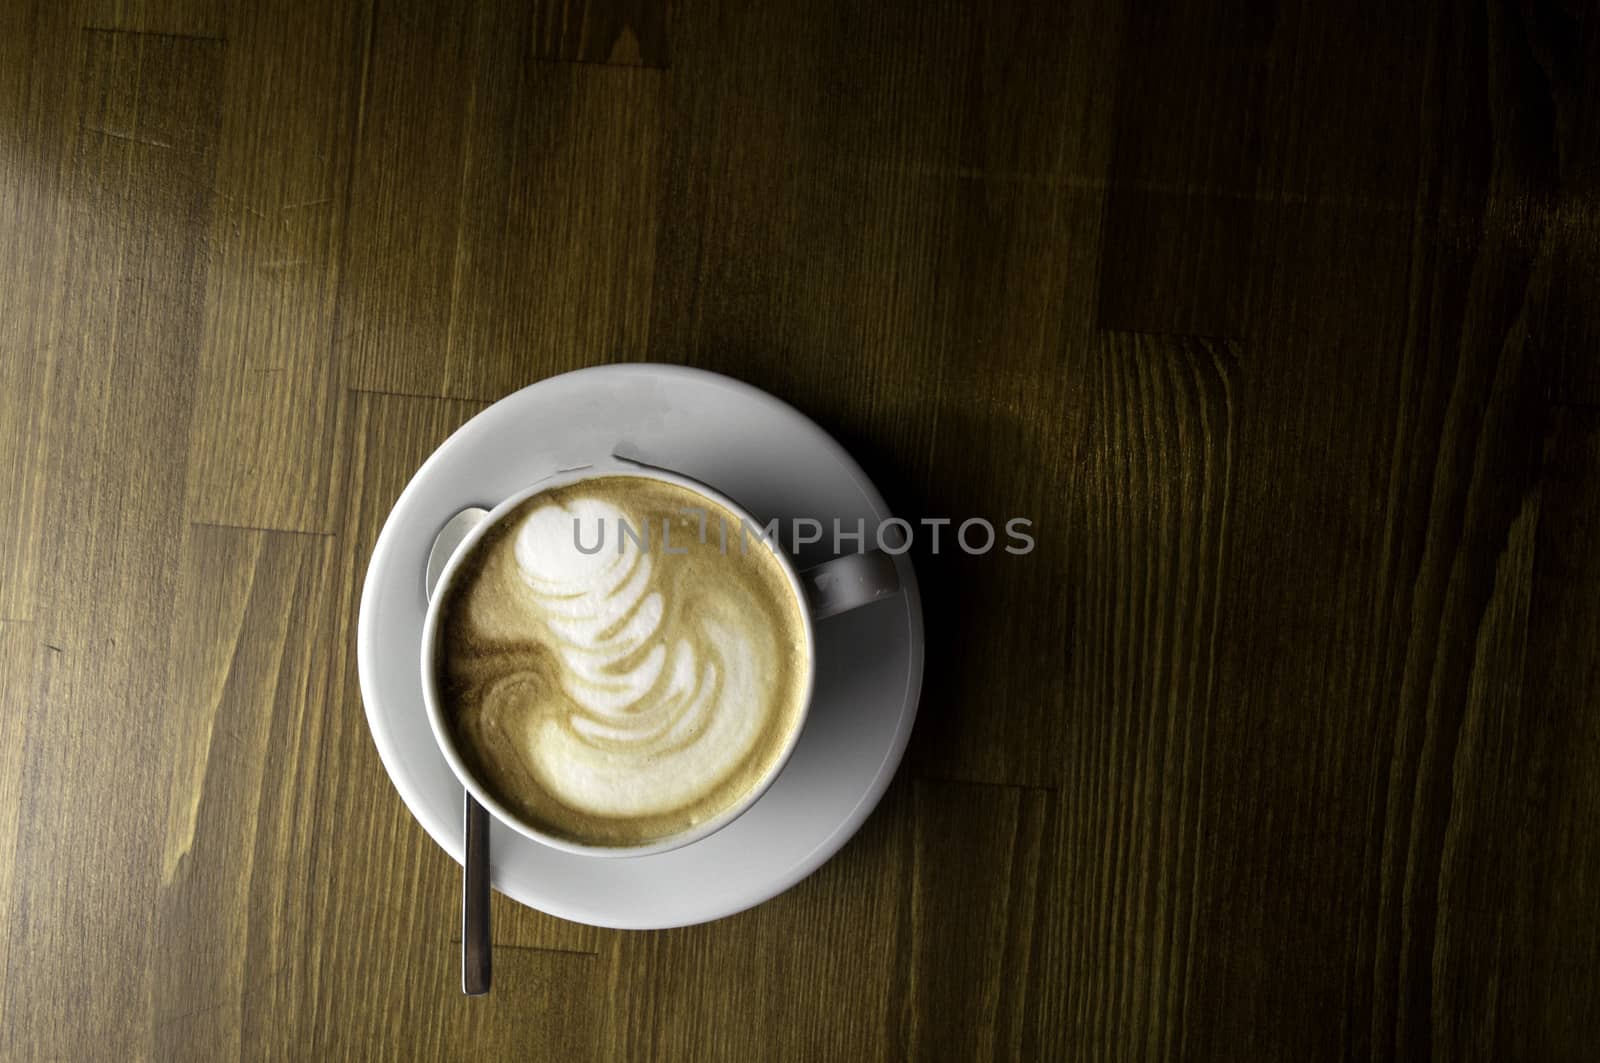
<point x="475" y="819"/>
<point x="475" y="949"/>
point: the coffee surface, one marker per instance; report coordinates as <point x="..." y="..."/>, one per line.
<point x="616" y="669"/>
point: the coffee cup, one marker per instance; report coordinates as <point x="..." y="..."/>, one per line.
<point x="618" y="660"/>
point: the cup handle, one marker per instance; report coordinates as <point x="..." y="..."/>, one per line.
<point x="832" y="587"/>
<point x="849" y="582"/>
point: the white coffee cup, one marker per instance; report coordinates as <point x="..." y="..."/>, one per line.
<point x="823" y="591"/>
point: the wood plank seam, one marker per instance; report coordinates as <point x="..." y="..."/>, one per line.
<point x="424" y="397"/>
<point x="647" y="68"/>
<point x="513" y="947"/>
<point x="341" y="256"/>
<point x="117" y="30"/>
<point x="256" y="528"/>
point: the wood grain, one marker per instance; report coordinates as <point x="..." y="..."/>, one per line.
<point x="1156" y="518"/>
<point x="627" y="33"/>
<point x="1538" y="925"/>
<point x="37" y="98"/>
<point x="1278" y="321"/>
<point x="270" y="376"/>
<point x="123" y="322"/>
<point x="247" y="680"/>
<point x="1183" y="177"/>
<point x="824" y="962"/>
<point x="20" y="659"/>
<point x="544" y="260"/>
<point x="163" y="18"/>
<point x="972" y="925"/>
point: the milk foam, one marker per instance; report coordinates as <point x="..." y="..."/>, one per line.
<point x="664" y="705"/>
<point x="624" y="694"/>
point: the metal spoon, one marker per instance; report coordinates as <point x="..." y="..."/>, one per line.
<point x="475" y="948"/>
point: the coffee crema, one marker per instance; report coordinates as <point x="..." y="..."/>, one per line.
<point x="621" y="695"/>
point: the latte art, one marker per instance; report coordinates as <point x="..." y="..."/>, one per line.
<point x="626" y="693"/>
<point x="661" y="713"/>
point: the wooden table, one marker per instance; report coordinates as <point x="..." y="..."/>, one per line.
<point x="1279" y="320"/>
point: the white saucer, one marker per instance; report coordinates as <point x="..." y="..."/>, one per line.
<point x="773" y="461"/>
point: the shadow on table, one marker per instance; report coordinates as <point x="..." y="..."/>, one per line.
<point x="996" y="622"/>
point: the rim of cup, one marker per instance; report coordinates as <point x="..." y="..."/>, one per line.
<point x="441" y="727"/>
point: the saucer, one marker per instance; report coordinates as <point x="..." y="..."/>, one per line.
<point x="774" y="462"/>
